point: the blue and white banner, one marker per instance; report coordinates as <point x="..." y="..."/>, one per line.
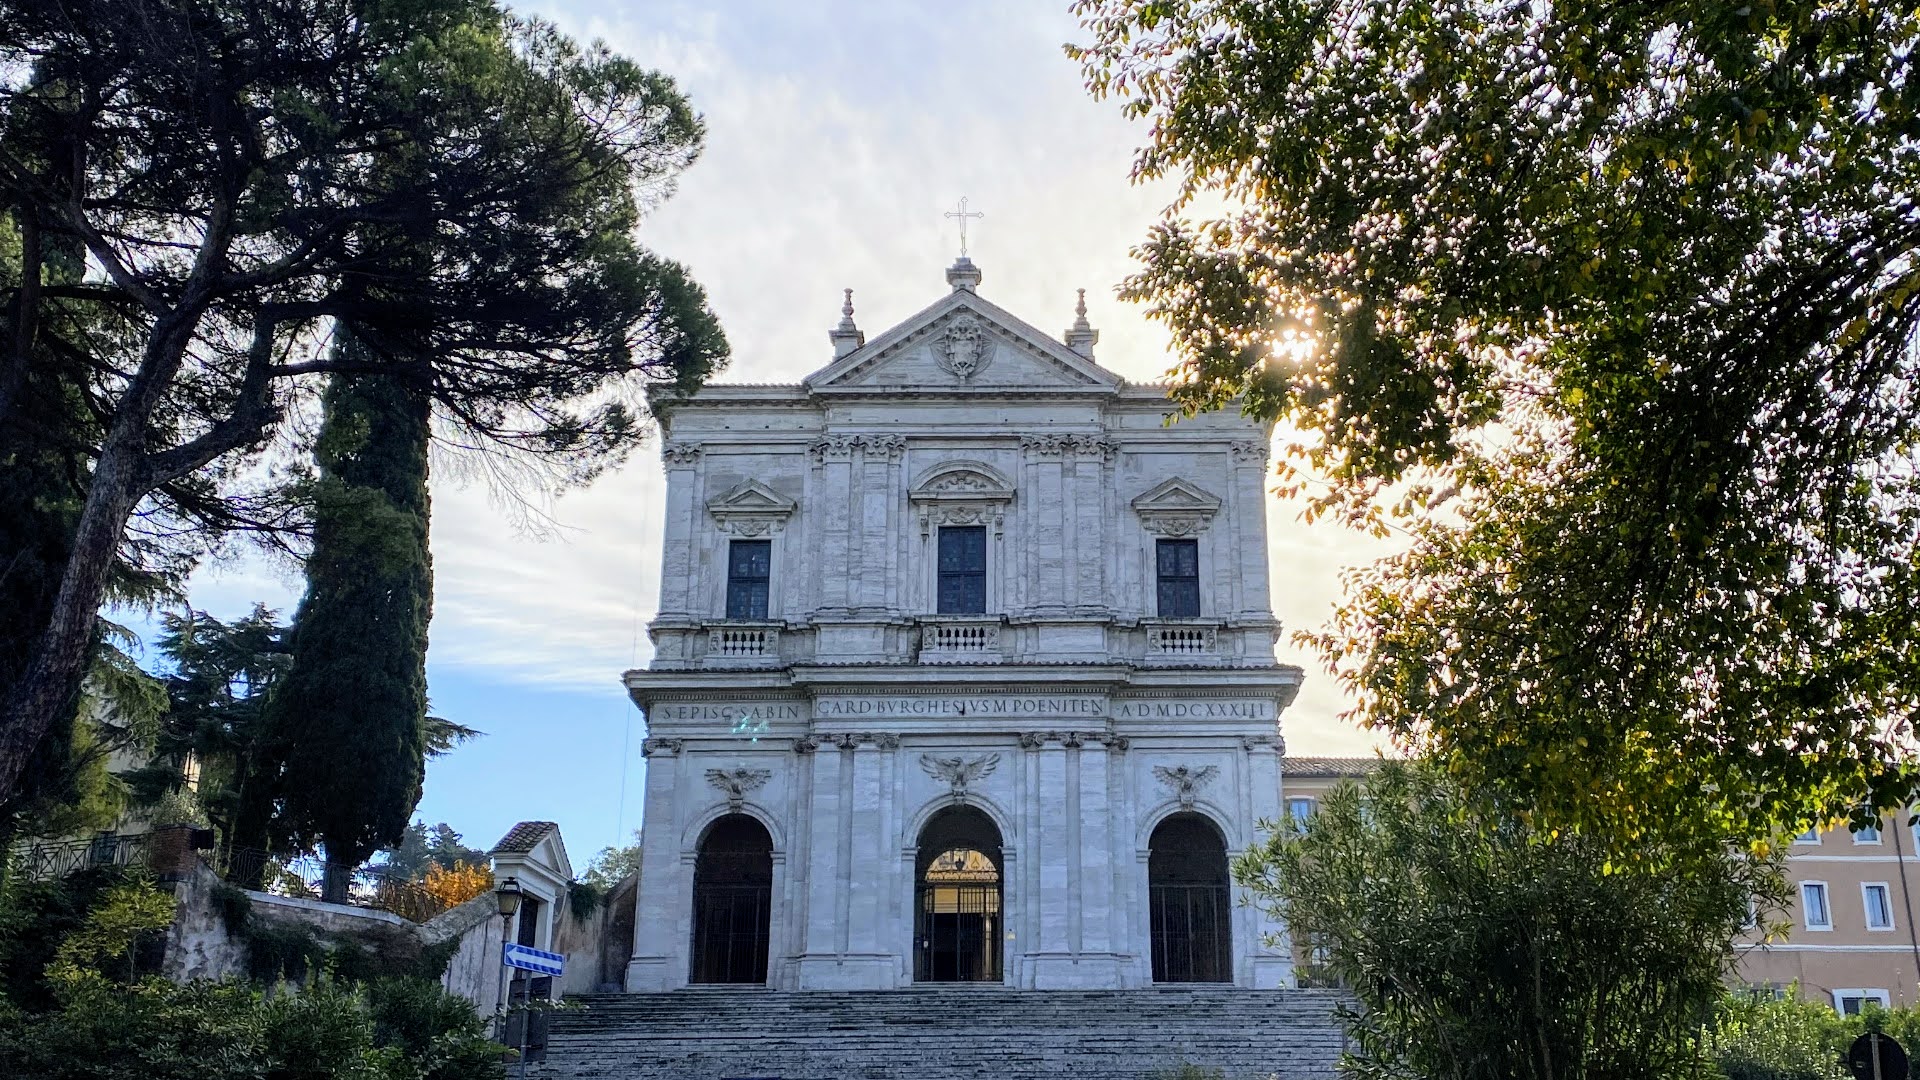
<point x="527" y="959"/>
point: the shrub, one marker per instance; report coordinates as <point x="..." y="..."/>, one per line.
<point x="457" y="884"/>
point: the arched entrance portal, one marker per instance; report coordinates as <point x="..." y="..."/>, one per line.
<point x="1189" y="901"/>
<point x="957" y="899"/>
<point x="732" y="902"/>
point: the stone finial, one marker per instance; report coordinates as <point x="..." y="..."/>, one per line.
<point x="846" y="337"/>
<point x="963" y="275"/>
<point x="1081" y="338"/>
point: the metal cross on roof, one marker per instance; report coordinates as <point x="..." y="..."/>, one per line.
<point x="962" y="215"/>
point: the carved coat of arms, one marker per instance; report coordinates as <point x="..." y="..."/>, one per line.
<point x="959" y="772"/>
<point x="1186" y="782"/>
<point x="965" y="349"/>
<point x="735" y="784"/>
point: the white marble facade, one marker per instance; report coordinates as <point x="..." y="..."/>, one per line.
<point x="850" y="718"/>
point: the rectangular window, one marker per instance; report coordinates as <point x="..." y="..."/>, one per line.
<point x="1813" y="905"/>
<point x="1177" y="571"/>
<point x="1879" y="905"/>
<point x="1811" y="836"/>
<point x="963" y="570"/>
<point x="1853" y="1002"/>
<point x="1299" y="810"/>
<point x="749" y="565"/>
<point x="1867" y="834"/>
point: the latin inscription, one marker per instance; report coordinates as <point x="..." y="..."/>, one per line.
<point x="744" y="717"/>
<point x="1012" y="705"/>
<point x="1193" y="710"/>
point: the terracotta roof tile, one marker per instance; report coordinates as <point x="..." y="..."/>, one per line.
<point x="522" y="837"/>
<point x="1328" y="766"/>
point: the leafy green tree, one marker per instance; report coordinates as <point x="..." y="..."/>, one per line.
<point x="240" y="172"/>
<point x="1615" y="304"/>
<point x="1480" y="947"/>
<point x="218" y="681"/>
<point x="612" y="865"/>
<point x="421" y="847"/>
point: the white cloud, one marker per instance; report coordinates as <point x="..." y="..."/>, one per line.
<point x="838" y="133"/>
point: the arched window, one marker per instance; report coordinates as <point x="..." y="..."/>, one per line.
<point x="958" y="920"/>
<point x="732" y="902"/>
<point x="1189" y="901"/>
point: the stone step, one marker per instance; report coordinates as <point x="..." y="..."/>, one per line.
<point x="944" y="1033"/>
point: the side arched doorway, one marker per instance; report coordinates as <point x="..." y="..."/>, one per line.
<point x="958" y="921"/>
<point x="732" y="902"/>
<point x="1189" y="901"/>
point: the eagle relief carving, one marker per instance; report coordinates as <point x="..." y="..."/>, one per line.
<point x="736" y="783"/>
<point x="959" y="772"/>
<point x="1186" y="781"/>
<point x="965" y="349"/>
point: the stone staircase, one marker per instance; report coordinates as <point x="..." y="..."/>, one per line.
<point x="944" y="1033"/>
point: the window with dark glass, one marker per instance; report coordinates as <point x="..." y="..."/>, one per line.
<point x="963" y="570"/>
<point x="1178" y="574"/>
<point x="749" y="563"/>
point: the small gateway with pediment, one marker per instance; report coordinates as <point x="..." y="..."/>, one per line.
<point x="1005" y="641"/>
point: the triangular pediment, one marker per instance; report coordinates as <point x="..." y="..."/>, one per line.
<point x="963" y="344"/>
<point x="751" y="497"/>
<point x="1177" y="495"/>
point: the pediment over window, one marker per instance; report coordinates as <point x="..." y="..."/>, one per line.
<point x="751" y="508"/>
<point x="961" y="493"/>
<point x="1176" y="507"/>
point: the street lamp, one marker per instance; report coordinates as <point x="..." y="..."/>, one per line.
<point x="507" y="896"/>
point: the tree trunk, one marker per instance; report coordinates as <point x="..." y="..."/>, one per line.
<point x="61" y="655"/>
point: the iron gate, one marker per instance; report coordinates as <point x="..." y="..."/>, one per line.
<point x="730" y="933"/>
<point x="1192" y="941"/>
<point x="957" y="934"/>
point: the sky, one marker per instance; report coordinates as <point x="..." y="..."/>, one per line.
<point x="838" y="133"/>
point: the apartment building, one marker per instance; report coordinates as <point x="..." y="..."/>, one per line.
<point x="1851" y="935"/>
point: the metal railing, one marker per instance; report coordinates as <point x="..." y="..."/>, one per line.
<point x="57" y="859"/>
<point x="306" y="877"/>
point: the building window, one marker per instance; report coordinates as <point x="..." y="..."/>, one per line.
<point x="1853" y="1002"/>
<point x="749" y="565"/>
<point x="1177" y="571"/>
<point x="1878" y="904"/>
<point x="1813" y="906"/>
<point x="1867" y="834"/>
<point x="1299" y="810"/>
<point x="963" y="570"/>
<point x="1811" y="836"/>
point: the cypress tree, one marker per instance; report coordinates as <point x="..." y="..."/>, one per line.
<point x="353" y="706"/>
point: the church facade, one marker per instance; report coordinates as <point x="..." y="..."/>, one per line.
<point x="964" y="672"/>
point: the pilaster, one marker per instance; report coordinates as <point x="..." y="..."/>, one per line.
<point x="663" y="914"/>
<point x="677" y="562"/>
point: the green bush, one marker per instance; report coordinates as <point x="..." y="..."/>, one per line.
<point x="156" y="1030"/>
<point x="37" y="917"/>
